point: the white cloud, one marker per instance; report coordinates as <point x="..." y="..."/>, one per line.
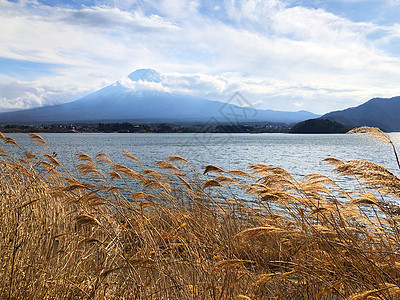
<point x="23" y="95"/>
<point x="393" y="2"/>
<point x="178" y="9"/>
<point x="143" y="85"/>
<point x="264" y="49"/>
<point x="196" y="83"/>
<point x="114" y="19"/>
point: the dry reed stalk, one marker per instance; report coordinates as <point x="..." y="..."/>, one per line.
<point x="240" y="173"/>
<point x="211" y="183"/>
<point x="231" y="262"/>
<point x="88" y="170"/>
<point x="373" y="132"/>
<point x="37" y="138"/>
<point x="257" y="231"/>
<point x="66" y="237"/>
<point x="128" y="172"/>
<point x="102" y="157"/>
<point x="131" y="156"/>
<point x="211" y="168"/>
<point x="379" y="135"/>
<point x="178" y="158"/>
<point x="155" y="175"/>
<point x="162" y="164"/>
<point x="86" y="158"/>
<point x="187" y="184"/>
<point x="141" y="195"/>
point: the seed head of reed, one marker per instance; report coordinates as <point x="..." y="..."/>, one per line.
<point x="372" y="132"/>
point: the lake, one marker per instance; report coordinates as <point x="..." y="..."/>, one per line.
<point x="299" y="154"/>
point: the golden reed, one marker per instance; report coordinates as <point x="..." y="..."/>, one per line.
<point x="128" y="232"/>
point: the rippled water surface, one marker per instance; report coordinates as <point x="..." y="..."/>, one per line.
<point x="298" y="154"/>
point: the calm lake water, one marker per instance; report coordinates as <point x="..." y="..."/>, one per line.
<point x="298" y="154"/>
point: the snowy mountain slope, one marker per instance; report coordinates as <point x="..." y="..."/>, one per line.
<point x="142" y="98"/>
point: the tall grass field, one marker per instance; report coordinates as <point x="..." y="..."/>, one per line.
<point x="109" y="231"/>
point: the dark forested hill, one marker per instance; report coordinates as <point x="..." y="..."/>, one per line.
<point x="319" y="126"/>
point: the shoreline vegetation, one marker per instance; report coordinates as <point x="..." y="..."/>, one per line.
<point x="128" y="232"/>
<point x="314" y="126"/>
<point x="126" y="127"/>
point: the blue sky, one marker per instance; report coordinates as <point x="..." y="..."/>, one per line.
<point x="316" y="55"/>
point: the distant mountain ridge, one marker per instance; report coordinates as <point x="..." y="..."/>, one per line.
<point x="377" y="112"/>
<point x="147" y="102"/>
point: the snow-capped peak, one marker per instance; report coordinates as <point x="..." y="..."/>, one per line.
<point x="148" y="75"/>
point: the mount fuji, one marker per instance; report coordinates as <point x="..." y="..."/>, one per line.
<point x="141" y="97"/>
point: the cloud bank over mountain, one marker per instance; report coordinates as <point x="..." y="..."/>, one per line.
<point x="280" y="54"/>
<point x="141" y="97"/>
